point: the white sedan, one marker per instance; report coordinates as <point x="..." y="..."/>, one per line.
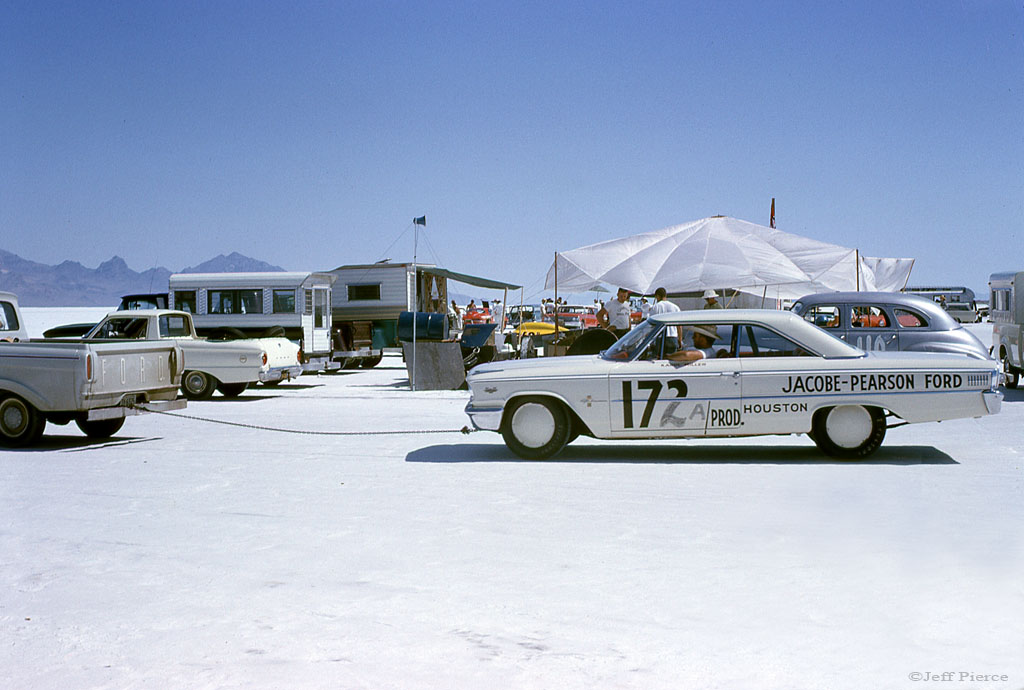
<point x="760" y="372"/>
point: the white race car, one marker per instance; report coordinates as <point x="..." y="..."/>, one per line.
<point x="760" y="372"/>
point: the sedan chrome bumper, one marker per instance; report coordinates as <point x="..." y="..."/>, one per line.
<point x="993" y="401"/>
<point x="484" y="418"/>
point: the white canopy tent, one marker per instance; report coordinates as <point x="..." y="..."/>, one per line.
<point x="722" y="252"/>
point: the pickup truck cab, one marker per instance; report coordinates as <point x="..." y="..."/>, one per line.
<point x="226" y="366"/>
<point x="94" y="384"/>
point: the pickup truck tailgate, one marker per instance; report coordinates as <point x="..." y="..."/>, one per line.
<point x="118" y="370"/>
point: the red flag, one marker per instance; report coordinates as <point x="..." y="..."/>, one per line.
<point x="773" y="213"/>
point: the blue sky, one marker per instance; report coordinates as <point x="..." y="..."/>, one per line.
<point x="309" y="134"/>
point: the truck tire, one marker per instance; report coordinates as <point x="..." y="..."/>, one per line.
<point x="20" y="423"/>
<point x="99" y="428"/>
<point x="1011" y="373"/>
<point x="197" y="385"/>
<point x="232" y="390"/>
<point x="370" y="362"/>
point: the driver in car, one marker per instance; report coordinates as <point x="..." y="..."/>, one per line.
<point x="704" y="338"/>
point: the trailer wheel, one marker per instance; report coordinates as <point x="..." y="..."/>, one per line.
<point x="197" y="386"/>
<point x="370" y="362"/>
<point x="99" y="428"/>
<point x="274" y="332"/>
<point x="20" y="423"/>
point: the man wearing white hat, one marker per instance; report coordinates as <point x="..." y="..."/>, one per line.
<point x="704" y="338"/>
<point x="711" y="300"/>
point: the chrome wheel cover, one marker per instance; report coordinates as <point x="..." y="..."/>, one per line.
<point x="533" y="425"/>
<point x="848" y="426"/>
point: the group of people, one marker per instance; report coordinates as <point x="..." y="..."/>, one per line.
<point x="615" y="317"/>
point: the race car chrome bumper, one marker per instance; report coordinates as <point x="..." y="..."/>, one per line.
<point x="484" y="418"/>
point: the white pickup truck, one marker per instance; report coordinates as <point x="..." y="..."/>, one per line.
<point x="227" y="366"/>
<point x="94" y="384"/>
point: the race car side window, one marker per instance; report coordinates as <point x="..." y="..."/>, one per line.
<point x="823" y="316"/>
<point x="758" y="341"/>
<point x="868" y="316"/>
<point x="909" y="319"/>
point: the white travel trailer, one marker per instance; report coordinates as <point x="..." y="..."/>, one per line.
<point x="296" y="305"/>
<point x="368" y="298"/>
<point x="1006" y="312"/>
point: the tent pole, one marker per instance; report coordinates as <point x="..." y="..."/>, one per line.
<point x="764" y="295"/>
<point x="556" y="295"/>
<point x="857" y="254"/>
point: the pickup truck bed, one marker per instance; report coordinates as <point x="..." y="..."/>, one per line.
<point x="95" y="385"/>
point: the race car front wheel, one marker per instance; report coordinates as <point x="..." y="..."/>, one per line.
<point x="536" y="428"/>
<point x="848" y="431"/>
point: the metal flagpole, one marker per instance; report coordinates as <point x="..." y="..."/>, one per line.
<point x="416" y="222"/>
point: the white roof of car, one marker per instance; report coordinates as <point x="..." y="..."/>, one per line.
<point x="784" y="322"/>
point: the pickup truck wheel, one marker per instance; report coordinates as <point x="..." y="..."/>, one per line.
<point x="20" y="423"/>
<point x="232" y="390"/>
<point x="100" y="428"/>
<point x="198" y="386"/>
<point x="848" y="431"/>
<point x="1010" y="373"/>
<point x="536" y="428"/>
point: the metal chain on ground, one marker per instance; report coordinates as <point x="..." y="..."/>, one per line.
<point x="464" y="430"/>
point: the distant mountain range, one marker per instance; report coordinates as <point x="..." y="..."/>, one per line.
<point x="70" y="284"/>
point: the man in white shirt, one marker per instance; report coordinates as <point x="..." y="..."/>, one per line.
<point x="663" y="306"/>
<point x="614" y="315"/>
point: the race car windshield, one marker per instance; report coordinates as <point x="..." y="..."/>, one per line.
<point x="631" y="343"/>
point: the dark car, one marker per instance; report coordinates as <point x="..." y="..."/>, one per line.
<point x="889" y="321"/>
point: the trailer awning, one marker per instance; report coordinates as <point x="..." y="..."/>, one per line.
<point x="475" y="281"/>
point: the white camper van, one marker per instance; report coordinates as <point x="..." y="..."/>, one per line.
<point x="296" y="305"/>
<point x="1006" y="312"/>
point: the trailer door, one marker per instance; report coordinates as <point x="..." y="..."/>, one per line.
<point x="321" y="319"/>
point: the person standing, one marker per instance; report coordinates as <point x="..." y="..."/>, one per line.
<point x="614" y="315"/>
<point x="711" y="300"/>
<point x="663" y="306"/>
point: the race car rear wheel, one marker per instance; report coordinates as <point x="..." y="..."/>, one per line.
<point x="536" y="428"/>
<point x="197" y="386"/>
<point x="20" y="423"/>
<point x="849" y="431"/>
<point x="1011" y="374"/>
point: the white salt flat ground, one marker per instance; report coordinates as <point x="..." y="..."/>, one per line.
<point x="185" y="554"/>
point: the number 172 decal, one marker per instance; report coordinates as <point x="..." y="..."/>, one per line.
<point x="655" y="388"/>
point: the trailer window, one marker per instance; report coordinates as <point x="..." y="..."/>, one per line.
<point x="284" y="301"/>
<point x="364" y="292"/>
<point x="320" y="319"/>
<point x="1001" y="299"/>
<point x="185" y="300"/>
<point x="234" y="301"/>
<point x="307" y="307"/>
